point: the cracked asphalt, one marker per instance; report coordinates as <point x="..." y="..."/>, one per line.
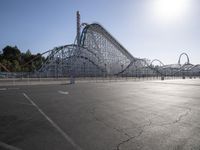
<point x="145" y="115"/>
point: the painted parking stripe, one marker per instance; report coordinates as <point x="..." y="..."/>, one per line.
<point x="13" y="88"/>
<point x="65" y="136"/>
<point x="63" y="92"/>
<point x="4" y="89"/>
<point x="8" y="147"/>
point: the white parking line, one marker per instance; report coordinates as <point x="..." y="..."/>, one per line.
<point x="8" y="147"/>
<point x="65" y="136"/>
<point x="13" y="88"/>
<point x="4" y="89"/>
<point x="63" y="92"/>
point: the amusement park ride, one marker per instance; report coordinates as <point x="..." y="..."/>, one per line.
<point x="96" y="53"/>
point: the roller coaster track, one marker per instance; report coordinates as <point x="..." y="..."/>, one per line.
<point x="99" y="48"/>
<point x="100" y="29"/>
<point x="4" y="67"/>
<point x="97" y="29"/>
<point x="78" y="55"/>
<point x="146" y="65"/>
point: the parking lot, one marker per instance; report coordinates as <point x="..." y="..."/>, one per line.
<point x="128" y="115"/>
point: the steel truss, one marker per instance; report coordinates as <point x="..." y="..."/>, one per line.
<point x="100" y="54"/>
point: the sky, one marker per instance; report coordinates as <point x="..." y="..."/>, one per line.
<point x="153" y="29"/>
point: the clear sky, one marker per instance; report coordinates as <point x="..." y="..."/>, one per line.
<point x="154" y="29"/>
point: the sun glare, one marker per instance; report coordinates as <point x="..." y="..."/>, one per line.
<point x="167" y="10"/>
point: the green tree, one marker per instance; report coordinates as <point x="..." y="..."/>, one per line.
<point x="11" y="53"/>
<point x="1" y="56"/>
<point x="28" y="53"/>
<point x="15" y="61"/>
<point x="16" y="66"/>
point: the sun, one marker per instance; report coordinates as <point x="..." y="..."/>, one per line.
<point x="170" y="9"/>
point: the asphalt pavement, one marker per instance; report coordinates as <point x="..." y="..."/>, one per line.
<point x="146" y="115"/>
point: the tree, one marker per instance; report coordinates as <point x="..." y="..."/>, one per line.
<point x="11" y="53"/>
<point x="28" y="53"/>
<point x="15" y="66"/>
<point x="1" y="56"/>
<point x="15" y="61"/>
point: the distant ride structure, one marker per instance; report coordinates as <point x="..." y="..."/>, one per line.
<point x="96" y="53"/>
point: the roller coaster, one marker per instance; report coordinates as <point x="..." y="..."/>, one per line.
<point x="96" y="53"/>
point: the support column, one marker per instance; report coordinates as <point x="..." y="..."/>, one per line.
<point x="78" y="27"/>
